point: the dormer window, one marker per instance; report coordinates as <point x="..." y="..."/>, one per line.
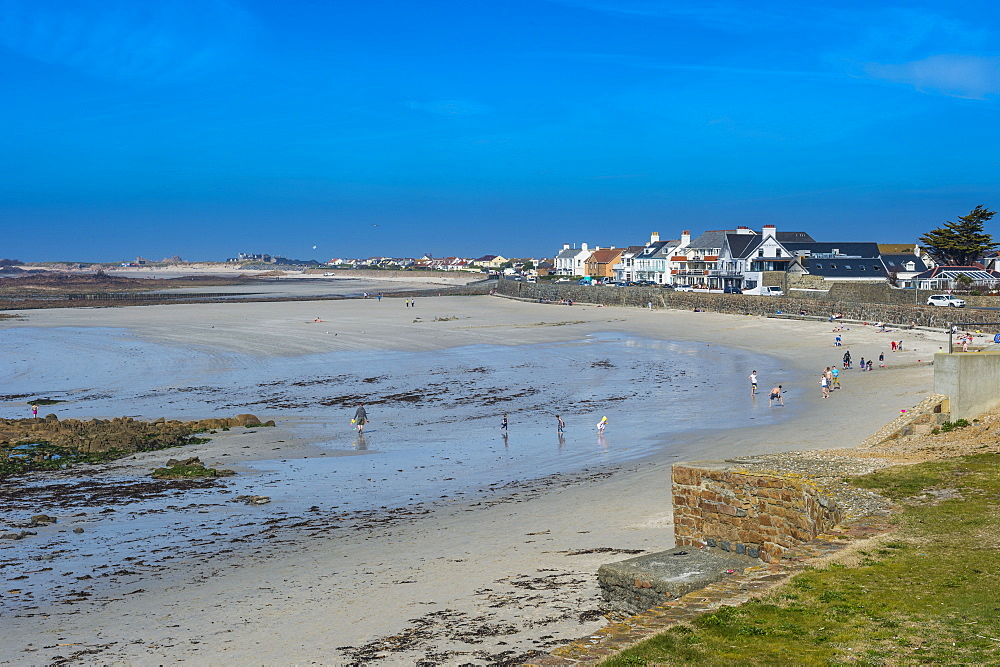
<point x="760" y="253"/>
<point x="777" y="252"/>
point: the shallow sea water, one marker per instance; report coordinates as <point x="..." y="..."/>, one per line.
<point x="434" y="435"/>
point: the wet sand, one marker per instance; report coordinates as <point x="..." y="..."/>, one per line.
<point x="477" y="577"/>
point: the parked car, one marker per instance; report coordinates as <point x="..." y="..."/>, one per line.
<point x="683" y="288"/>
<point x="732" y="289"/>
<point x="945" y="300"/>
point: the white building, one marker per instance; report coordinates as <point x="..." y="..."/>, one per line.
<point x="572" y="261"/>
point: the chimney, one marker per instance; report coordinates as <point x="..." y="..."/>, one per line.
<point x="654" y="238"/>
<point x="685" y="238"/>
<point x="743" y="230"/>
<point x="583" y="246"/>
<point x="565" y="246"/>
<point x="769" y="230"/>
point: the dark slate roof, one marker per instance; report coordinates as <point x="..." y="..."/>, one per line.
<point x="667" y="249"/>
<point x="568" y="253"/>
<point x="652" y="248"/>
<point x="844" y="267"/>
<point x="633" y="250"/>
<point x="898" y="262"/>
<point x="852" y="248"/>
<point x="793" y="237"/>
<point x="710" y="240"/>
<point x="740" y="245"/>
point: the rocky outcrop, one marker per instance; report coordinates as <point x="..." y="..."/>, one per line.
<point x="188" y="469"/>
<point x="121" y="434"/>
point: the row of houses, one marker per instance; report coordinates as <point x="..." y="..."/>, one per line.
<point x="486" y="263"/>
<point x="738" y="259"/>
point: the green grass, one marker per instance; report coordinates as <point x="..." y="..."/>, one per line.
<point x="929" y="594"/>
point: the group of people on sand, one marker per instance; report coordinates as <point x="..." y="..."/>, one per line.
<point x="361" y="418"/>
<point x="560" y="425"/>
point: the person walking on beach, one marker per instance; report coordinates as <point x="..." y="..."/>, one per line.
<point x="881" y="359"/>
<point x="775" y="396"/>
<point x="601" y="425"/>
<point x="503" y="424"/>
<point x="824" y="387"/>
<point x="560" y="425"/>
<point x="835" y="374"/>
<point x="847" y="360"/>
<point x="360" y="418"/>
<point x="753" y="383"/>
<point x="862" y="364"/>
<point x="34" y="411"/>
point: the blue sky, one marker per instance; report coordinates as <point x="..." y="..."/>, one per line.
<point x="208" y="127"/>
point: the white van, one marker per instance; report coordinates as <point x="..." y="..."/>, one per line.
<point x="766" y="290"/>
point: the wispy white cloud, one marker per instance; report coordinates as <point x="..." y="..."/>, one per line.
<point x="449" y="107"/>
<point x="970" y="77"/>
<point x="152" y="41"/>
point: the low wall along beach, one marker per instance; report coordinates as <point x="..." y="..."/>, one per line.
<point x="854" y="308"/>
<point x="721" y="504"/>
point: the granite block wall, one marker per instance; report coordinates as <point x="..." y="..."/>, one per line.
<point x="717" y="504"/>
<point x="852" y="303"/>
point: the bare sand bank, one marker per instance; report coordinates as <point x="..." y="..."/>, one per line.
<point x="461" y="580"/>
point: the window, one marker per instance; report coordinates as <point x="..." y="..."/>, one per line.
<point x="861" y="267"/>
<point x="819" y="266"/>
<point x="760" y="253"/>
<point x="847" y="267"/>
<point x="777" y="252"/>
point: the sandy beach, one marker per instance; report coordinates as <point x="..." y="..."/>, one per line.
<point x="481" y="570"/>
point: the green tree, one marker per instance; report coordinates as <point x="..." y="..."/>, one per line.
<point x="960" y="243"/>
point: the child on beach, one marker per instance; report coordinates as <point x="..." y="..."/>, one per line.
<point x="601" y="425"/>
<point x="560" y="425"/>
<point x="503" y="423"/>
<point x="753" y="383"/>
<point x="34" y="411"/>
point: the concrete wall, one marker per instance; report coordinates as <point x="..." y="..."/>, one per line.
<point x="718" y="504"/>
<point x="970" y="379"/>
<point x="854" y="309"/>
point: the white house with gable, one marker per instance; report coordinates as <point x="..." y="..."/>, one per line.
<point x="572" y="261"/>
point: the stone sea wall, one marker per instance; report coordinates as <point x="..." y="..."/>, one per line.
<point x="851" y="303"/>
<point x="759" y="515"/>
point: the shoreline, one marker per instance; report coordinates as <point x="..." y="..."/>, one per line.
<point x="488" y="563"/>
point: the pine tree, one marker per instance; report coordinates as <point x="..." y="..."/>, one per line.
<point x="960" y="243"/>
